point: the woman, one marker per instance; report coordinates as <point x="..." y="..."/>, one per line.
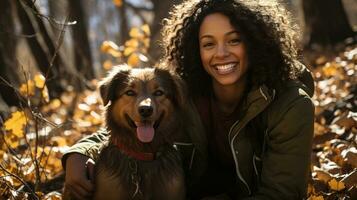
<point x="250" y="94"/>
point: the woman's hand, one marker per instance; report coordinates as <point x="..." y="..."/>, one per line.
<point x="79" y="176"/>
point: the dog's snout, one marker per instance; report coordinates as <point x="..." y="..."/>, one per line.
<point x="145" y="111"/>
<point x="145" y="108"/>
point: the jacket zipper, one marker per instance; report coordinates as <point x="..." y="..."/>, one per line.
<point x="231" y="142"/>
<point x="234" y="152"/>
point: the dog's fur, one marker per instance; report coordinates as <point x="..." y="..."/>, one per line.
<point x="153" y="96"/>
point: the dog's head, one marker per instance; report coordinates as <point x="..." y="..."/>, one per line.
<point x="142" y="103"/>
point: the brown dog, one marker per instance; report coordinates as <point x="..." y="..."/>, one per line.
<point x="143" y="114"/>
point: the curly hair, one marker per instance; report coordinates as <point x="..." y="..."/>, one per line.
<point x="266" y="29"/>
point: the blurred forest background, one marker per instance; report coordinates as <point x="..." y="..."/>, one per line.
<point x="52" y="54"/>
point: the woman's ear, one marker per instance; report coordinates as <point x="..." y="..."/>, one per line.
<point x="115" y="81"/>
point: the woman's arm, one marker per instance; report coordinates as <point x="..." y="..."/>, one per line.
<point x="79" y="167"/>
<point x="87" y="146"/>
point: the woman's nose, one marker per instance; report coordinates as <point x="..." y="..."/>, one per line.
<point x="222" y="51"/>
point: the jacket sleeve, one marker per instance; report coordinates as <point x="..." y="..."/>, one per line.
<point x="286" y="160"/>
<point x="88" y="146"/>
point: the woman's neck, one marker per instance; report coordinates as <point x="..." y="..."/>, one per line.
<point x="229" y="96"/>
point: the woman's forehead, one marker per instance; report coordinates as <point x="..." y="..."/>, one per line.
<point x="216" y="23"/>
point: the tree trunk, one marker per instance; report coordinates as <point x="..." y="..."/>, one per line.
<point x="124" y="27"/>
<point x="161" y="10"/>
<point x="326" y="23"/>
<point x="83" y="57"/>
<point x="42" y="58"/>
<point x="7" y="56"/>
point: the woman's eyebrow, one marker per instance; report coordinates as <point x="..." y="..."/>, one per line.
<point x="233" y="32"/>
<point x="205" y="36"/>
<point x="228" y="33"/>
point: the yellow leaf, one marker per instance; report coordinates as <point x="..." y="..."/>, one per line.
<point x="39" y="80"/>
<point x="136" y="33"/>
<point x="118" y="3"/>
<point x="108" y="45"/>
<point x="330" y="69"/>
<point x="45" y="95"/>
<point x="114" y="53"/>
<point x="107" y="65"/>
<point x="128" y="51"/>
<point x="53" y="196"/>
<point x="146" y="29"/>
<point x="16" y="123"/>
<point x="146" y="42"/>
<point x="134" y="43"/>
<point x="313" y="197"/>
<point x="12" y="140"/>
<point x="40" y="194"/>
<point x="55" y="104"/>
<point x="336" y="185"/>
<point x="133" y="60"/>
<point x="27" y="89"/>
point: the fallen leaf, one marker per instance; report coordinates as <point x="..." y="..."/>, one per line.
<point x="317" y="197"/>
<point x="346" y="120"/>
<point x="16" y="123"/>
<point x="336" y="185"/>
<point x="321" y="175"/>
<point x="350" y="156"/>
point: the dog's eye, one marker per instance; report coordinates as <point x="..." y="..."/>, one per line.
<point x="130" y="93"/>
<point x="158" y="93"/>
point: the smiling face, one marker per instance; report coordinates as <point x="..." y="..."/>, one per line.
<point x="223" y="54"/>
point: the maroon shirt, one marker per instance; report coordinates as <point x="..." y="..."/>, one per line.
<point x="220" y="176"/>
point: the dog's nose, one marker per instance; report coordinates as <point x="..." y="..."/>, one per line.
<point x="145" y="111"/>
<point x="145" y="108"/>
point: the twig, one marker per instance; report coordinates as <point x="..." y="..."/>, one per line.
<point x="49" y="19"/>
<point x="19" y="179"/>
<point x="58" y="45"/>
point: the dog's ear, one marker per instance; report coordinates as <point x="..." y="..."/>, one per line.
<point x="116" y="80"/>
<point x="176" y="86"/>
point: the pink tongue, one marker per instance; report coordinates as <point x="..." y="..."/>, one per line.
<point x="145" y="132"/>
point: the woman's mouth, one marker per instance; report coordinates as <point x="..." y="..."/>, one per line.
<point x="225" y="68"/>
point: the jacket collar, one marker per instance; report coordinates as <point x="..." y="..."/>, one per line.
<point x="257" y="101"/>
<point x="261" y="92"/>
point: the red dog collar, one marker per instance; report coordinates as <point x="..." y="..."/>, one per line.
<point x="137" y="155"/>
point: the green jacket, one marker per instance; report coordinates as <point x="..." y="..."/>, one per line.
<point x="271" y="143"/>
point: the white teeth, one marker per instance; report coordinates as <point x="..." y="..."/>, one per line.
<point x="224" y="69"/>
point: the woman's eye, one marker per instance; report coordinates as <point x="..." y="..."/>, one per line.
<point x="130" y="93"/>
<point x="158" y="93"/>
<point x="207" y="45"/>
<point x="235" y="41"/>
